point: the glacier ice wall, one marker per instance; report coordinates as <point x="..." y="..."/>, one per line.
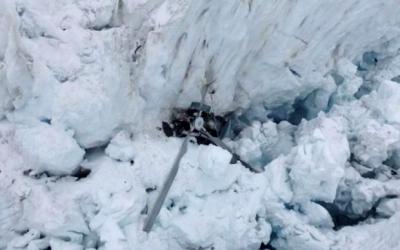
<point x="78" y="63"/>
<point x="84" y="84"/>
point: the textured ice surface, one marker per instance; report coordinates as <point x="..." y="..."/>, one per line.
<point x="48" y="148"/>
<point x="120" y="147"/>
<point x="85" y="84"/>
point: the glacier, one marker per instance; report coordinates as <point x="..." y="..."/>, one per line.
<point x="311" y="87"/>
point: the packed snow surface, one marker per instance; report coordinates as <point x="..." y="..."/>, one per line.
<point x="311" y="87"/>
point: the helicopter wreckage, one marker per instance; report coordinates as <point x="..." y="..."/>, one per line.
<point x="199" y="123"/>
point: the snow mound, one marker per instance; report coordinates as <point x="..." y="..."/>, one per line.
<point x="48" y="148"/>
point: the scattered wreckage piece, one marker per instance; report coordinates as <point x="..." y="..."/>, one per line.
<point x="166" y="187"/>
<point x="235" y="157"/>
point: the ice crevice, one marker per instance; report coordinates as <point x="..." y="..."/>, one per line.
<point x="311" y="90"/>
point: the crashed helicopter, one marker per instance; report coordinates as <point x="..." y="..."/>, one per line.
<point x="207" y="128"/>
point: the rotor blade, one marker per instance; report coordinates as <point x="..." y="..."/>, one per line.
<point x="209" y="75"/>
<point x="203" y="93"/>
<point x="217" y="141"/>
<point x="167" y="185"/>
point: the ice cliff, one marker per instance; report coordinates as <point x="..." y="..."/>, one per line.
<point x="312" y="85"/>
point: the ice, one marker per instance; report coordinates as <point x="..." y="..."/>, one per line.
<point x="317" y="215"/>
<point x="374" y="143"/>
<point x="88" y="48"/>
<point x="260" y="143"/>
<point x="59" y="244"/>
<point x="206" y="198"/>
<point x="24" y="240"/>
<point x="365" y="195"/>
<point x="48" y="148"/>
<point x="94" y="110"/>
<point x="10" y="213"/>
<point x="120" y="147"/>
<point x="291" y="231"/>
<point x="85" y="85"/>
<point x="320" y="158"/>
<point x="388" y="207"/>
<point x="383" y="234"/>
<point x="348" y="81"/>
<point x="385" y="100"/>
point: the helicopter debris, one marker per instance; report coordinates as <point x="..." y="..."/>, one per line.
<point x="165" y="189"/>
<point x="208" y="128"/>
<point x="199" y="122"/>
<point x="196" y="118"/>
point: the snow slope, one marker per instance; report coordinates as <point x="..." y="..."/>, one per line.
<point x="85" y="84"/>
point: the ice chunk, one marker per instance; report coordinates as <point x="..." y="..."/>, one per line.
<point x="10" y="213"/>
<point x="5" y="98"/>
<point x="388" y="207"/>
<point x="373" y="142"/>
<point x="291" y="231"/>
<point x="64" y="245"/>
<point x="382" y="235"/>
<point x="100" y="13"/>
<point x="385" y="101"/>
<point x="5" y="103"/>
<point x="260" y="143"/>
<point x="351" y="82"/>
<point x="120" y="147"/>
<point x="317" y="215"/>
<point x="365" y="195"/>
<point x="277" y="175"/>
<point x="215" y="173"/>
<point x="19" y="76"/>
<point x="318" y="161"/>
<point x="49" y="148"/>
<point x="24" y="240"/>
<point x="91" y="105"/>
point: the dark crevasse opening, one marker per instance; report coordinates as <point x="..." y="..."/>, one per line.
<point x="303" y="108"/>
<point x="396" y="79"/>
<point x="370" y="60"/>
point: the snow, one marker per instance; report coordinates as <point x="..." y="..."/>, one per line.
<point x="384" y="101"/>
<point x="84" y="86"/>
<point x="319" y="157"/>
<point x="380" y="235"/>
<point x="120" y="147"/>
<point x="388" y="207"/>
<point x="48" y="148"/>
<point x="374" y="143"/>
<point x="261" y="142"/>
